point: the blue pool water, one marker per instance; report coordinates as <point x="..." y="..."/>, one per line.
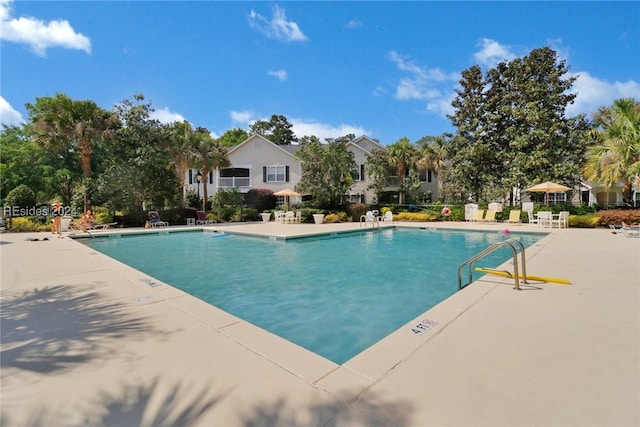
<point x="334" y="295"/>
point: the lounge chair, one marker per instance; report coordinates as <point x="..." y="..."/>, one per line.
<point x="478" y="216"/>
<point x="104" y="226"/>
<point x="388" y="216"/>
<point x="490" y="217"/>
<point x="514" y="217"/>
<point x="630" y="230"/>
<point x="202" y="219"/>
<point x="154" y="220"/>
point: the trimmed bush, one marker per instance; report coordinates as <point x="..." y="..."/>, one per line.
<point x="416" y="216"/>
<point x="584" y="221"/>
<point x="336" y="217"/>
<point x="356" y="210"/>
<point x="618" y="216"/>
<point x="20" y="224"/>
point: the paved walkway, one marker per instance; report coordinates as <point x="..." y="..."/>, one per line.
<point x="87" y="340"/>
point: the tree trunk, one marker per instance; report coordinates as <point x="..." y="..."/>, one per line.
<point x="205" y="176"/>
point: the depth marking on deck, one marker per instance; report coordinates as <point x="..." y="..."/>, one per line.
<point x="423" y="326"/>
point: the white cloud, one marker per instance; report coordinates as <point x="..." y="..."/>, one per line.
<point x="379" y="91"/>
<point x="8" y="115"/>
<point x="302" y="127"/>
<point x="278" y="27"/>
<point x="280" y="75"/>
<point x="431" y="85"/>
<point x="242" y="117"/>
<point x="38" y="34"/>
<point x="165" y="116"/>
<point x="593" y="93"/>
<point x="354" y="23"/>
<point x="492" y="53"/>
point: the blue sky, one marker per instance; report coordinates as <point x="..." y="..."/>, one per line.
<point x="384" y="69"/>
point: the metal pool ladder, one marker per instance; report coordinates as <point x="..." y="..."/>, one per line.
<point x="511" y="243"/>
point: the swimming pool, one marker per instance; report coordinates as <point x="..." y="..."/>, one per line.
<point x="334" y="295"/>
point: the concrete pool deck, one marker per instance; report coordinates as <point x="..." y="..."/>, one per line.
<point x="87" y="340"/>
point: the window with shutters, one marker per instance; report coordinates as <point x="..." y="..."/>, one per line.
<point x="276" y="173"/>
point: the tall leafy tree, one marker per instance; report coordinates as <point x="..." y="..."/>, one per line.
<point x="614" y="155"/>
<point x="512" y="130"/>
<point x="328" y="170"/>
<point x="470" y="147"/>
<point x="140" y="168"/>
<point x="232" y="137"/>
<point x="207" y="155"/>
<point x="277" y="130"/>
<point x="61" y="123"/>
<point x="542" y="144"/>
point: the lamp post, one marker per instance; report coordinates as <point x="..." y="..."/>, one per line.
<point x="198" y="180"/>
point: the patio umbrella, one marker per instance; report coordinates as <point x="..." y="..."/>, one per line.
<point x="548" y="187"/>
<point x="287" y="192"/>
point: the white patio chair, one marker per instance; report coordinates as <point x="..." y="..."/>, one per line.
<point x="545" y="219"/>
<point x="562" y="221"/>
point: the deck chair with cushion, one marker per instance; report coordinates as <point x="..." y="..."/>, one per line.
<point x="630" y="230"/>
<point x="155" y="221"/>
<point x="514" y="217"/>
<point x="478" y="216"/>
<point x="202" y="219"/>
<point x="490" y="217"/>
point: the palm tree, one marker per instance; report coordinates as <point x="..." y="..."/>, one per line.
<point x="615" y="154"/>
<point x="402" y="154"/>
<point x="61" y="123"/>
<point x="206" y="156"/>
<point x="181" y="139"/>
<point x="435" y="154"/>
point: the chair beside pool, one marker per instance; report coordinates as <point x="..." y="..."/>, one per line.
<point x="369" y="217"/>
<point x="202" y="219"/>
<point x="490" y="217"/>
<point x="514" y="217"/>
<point x="478" y="216"/>
<point x="155" y="221"/>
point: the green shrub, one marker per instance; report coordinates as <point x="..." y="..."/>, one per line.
<point x="416" y="216"/>
<point x="261" y="199"/>
<point x="250" y="214"/>
<point x="103" y="218"/>
<point x="584" y="221"/>
<point x="20" y="224"/>
<point x="21" y="196"/>
<point x="336" y="217"/>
